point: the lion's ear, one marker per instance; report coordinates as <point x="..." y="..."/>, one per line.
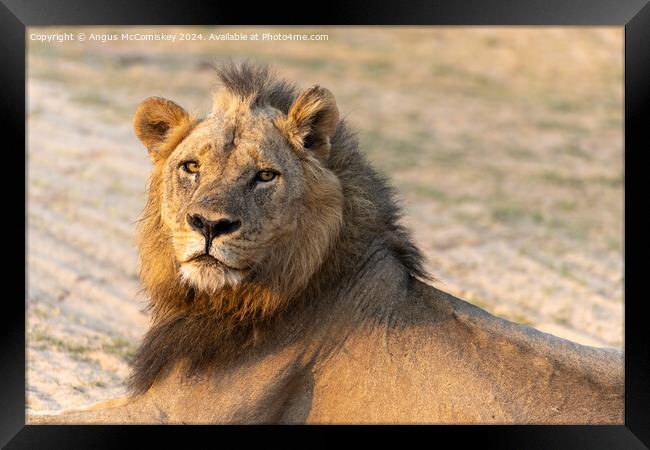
<point x="312" y="121"/>
<point x="160" y="124"/>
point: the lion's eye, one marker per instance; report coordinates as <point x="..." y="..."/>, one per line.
<point x="265" y="175"/>
<point x="190" y="166"/>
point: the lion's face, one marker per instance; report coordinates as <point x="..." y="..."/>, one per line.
<point x="229" y="200"/>
<point x="238" y="186"/>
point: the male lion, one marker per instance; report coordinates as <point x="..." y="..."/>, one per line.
<point x="284" y="290"/>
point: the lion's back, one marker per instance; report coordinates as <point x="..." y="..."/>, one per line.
<point x="438" y="359"/>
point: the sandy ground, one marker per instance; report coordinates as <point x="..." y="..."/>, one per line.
<point x="506" y="146"/>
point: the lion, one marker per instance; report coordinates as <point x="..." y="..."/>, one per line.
<point x="284" y="289"/>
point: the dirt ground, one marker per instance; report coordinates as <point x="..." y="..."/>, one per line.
<point x="506" y="145"/>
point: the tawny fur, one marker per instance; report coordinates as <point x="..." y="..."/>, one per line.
<point x="332" y="320"/>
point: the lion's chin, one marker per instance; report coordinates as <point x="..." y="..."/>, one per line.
<point x="208" y="277"/>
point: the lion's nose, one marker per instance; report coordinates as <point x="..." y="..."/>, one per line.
<point x="212" y="228"/>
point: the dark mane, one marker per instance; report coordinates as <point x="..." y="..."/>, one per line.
<point x="360" y="180"/>
<point x="258" y="82"/>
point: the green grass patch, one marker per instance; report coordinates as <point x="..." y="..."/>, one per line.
<point x="388" y="153"/>
<point x="516" y="213"/>
<point x="561" y="125"/>
<point x="47" y="74"/>
<point x="97" y="383"/>
<point x="614" y="244"/>
<point x="120" y="347"/>
<point x="426" y="191"/>
<point x="609" y="181"/>
<point x="566" y="205"/>
<point x="116" y="346"/>
<point x="520" y="152"/>
<point x="39" y="312"/>
<point x="45" y="341"/>
<point x="562" y="180"/>
<point x="89" y="98"/>
<point x="468" y="83"/>
<point x="378" y="68"/>
<point x="562" y="316"/>
<point x="613" y="181"/>
<point x="565" y="105"/>
<point x="574" y="150"/>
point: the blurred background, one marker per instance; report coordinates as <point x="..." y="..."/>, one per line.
<point x="506" y="145"/>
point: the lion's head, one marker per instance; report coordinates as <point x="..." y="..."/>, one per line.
<point x="248" y="208"/>
<point x="264" y="200"/>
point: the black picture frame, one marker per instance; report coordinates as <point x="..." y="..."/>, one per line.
<point x="634" y="15"/>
